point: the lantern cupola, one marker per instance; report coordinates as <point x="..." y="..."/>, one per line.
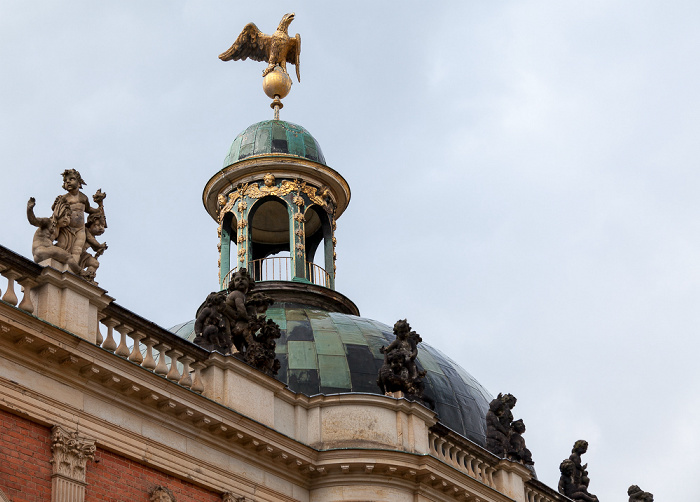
<point x="277" y="202"/>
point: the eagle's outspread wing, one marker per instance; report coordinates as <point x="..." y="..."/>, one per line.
<point x="251" y="43"/>
<point x="294" y="52"/>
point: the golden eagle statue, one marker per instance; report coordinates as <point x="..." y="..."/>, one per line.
<point x="277" y="49"/>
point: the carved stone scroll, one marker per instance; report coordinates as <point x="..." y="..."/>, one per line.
<point x="71" y="453"/>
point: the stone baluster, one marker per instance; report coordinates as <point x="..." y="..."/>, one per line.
<point x="123" y="349"/>
<point x="109" y="344"/>
<point x="26" y="303"/>
<point x="477" y="469"/>
<point x="431" y="443"/>
<point x="198" y="383"/>
<point x="10" y="296"/>
<point x="98" y="335"/>
<point x="461" y="454"/>
<point x="438" y="447"/>
<point x="174" y="374"/>
<point x="469" y="463"/>
<point x="161" y="367"/>
<point x="149" y="362"/>
<point x="448" y="452"/>
<point x="136" y="355"/>
<point x="186" y="380"/>
<point x="490" y="472"/>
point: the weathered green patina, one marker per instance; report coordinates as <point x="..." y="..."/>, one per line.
<point x="274" y="138"/>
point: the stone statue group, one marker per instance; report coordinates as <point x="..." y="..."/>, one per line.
<point x="504" y="436"/>
<point x="236" y="319"/>
<point x="65" y="236"/>
<point x="504" y="439"/>
<point x="399" y="372"/>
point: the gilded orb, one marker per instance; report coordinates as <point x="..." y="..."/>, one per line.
<point x="277" y="83"/>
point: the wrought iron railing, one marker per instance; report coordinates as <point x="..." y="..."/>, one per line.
<point x="279" y="268"/>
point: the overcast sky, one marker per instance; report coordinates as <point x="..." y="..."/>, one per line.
<point x="524" y="176"/>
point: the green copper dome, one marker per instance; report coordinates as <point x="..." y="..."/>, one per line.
<point x="272" y="138"/>
<point x="329" y="353"/>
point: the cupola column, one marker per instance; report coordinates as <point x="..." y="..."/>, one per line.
<point x="297" y="241"/>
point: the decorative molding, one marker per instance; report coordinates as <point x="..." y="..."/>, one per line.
<point x="255" y="191"/>
<point x="70" y="453"/>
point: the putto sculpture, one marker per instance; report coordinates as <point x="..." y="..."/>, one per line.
<point x="64" y="236"/>
<point x="574" y="478"/>
<point x="399" y="372"/>
<point x="504" y="436"/>
<point x="636" y="494"/>
<point x="517" y="451"/>
<point x="235" y="319"/>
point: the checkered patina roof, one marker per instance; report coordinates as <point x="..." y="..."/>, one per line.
<point x="328" y="353"/>
<point x="274" y="137"/>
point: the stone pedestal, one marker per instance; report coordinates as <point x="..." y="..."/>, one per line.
<point x="68" y="301"/>
<point x="510" y="479"/>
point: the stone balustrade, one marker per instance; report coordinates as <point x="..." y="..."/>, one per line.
<point x="151" y="347"/>
<point x="463" y="455"/>
<point x="19" y="272"/>
<point x="67" y="301"/>
<point x="536" y="491"/>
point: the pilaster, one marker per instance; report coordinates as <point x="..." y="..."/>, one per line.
<point x="70" y="455"/>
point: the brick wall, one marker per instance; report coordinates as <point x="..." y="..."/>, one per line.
<point x="116" y="479"/>
<point x="25" y="459"/>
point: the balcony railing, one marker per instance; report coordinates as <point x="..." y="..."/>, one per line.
<point x="279" y="268"/>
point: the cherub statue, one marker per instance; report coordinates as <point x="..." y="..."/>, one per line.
<point x="517" y="451"/>
<point x="636" y="494"/>
<point x="43" y="246"/>
<point x="96" y="225"/>
<point x="212" y="326"/>
<point x="261" y="353"/>
<point x="72" y="237"/>
<point x="580" y="447"/>
<point x="498" y="420"/>
<point x="399" y="373"/>
<point x="236" y="310"/>
<point x="574" y="478"/>
<point x="238" y="319"/>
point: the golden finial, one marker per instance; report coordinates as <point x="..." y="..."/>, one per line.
<point x="277" y="49"/>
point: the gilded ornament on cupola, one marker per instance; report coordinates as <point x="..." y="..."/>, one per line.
<point x="277" y="50"/>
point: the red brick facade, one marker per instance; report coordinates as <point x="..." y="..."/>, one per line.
<point x="25" y="459"/>
<point x="112" y="478"/>
<point x="25" y="470"/>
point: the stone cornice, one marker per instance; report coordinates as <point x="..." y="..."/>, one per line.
<point x="320" y="401"/>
